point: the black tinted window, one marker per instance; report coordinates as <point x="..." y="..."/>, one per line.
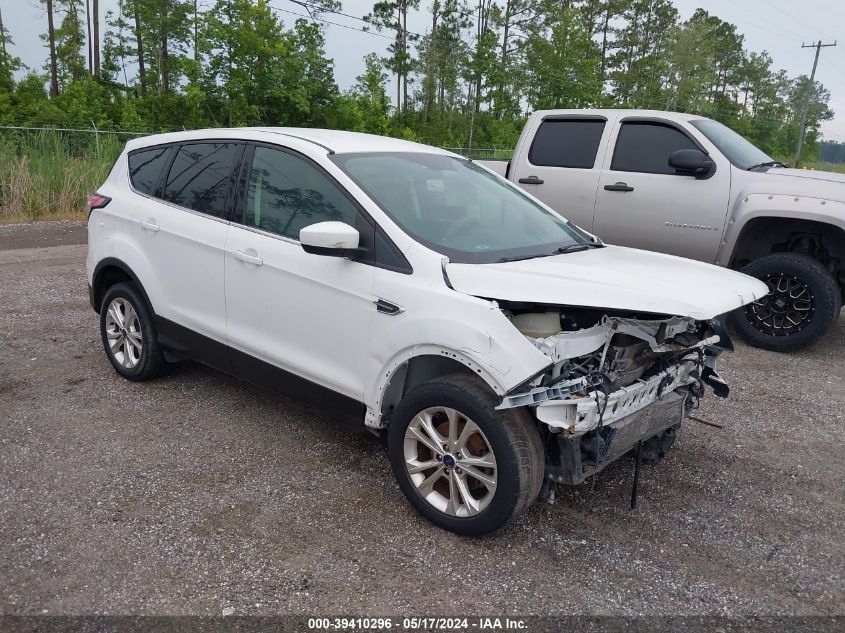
<point x="145" y="168"/>
<point x="200" y="176"/>
<point x="573" y="143"/>
<point x="646" y="147"/>
<point x="286" y="194"/>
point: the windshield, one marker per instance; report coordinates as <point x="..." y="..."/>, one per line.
<point x="457" y="208"/>
<point x="737" y="149"/>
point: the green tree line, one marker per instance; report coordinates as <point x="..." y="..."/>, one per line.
<point x="467" y="80"/>
<point x="832" y="151"/>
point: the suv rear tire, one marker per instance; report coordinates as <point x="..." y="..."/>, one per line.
<point x="441" y="436"/>
<point x="128" y="333"/>
<point x="802" y="290"/>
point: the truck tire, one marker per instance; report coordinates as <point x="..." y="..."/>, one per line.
<point x="462" y="464"/>
<point x="803" y="302"/>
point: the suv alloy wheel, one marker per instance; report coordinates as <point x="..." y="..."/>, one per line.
<point x="463" y="465"/>
<point x="128" y="333"/>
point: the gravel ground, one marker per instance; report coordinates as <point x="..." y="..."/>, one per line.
<point x="200" y="494"/>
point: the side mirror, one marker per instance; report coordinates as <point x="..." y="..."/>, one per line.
<point x="334" y="239"/>
<point x="692" y="162"/>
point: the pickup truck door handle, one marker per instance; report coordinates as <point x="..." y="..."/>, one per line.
<point x="247" y="258"/>
<point x="618" y="186"/>
<point x="149" y="225"/>
<point x="531" y="180"/>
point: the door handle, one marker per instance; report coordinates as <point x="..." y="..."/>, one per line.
<point x="149" y="225"/>
<point x="247" y="258"/>
<point x="618" y="186"/>
<point x="531" y="180"/>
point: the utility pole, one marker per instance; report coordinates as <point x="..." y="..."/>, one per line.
<point x="51" y="31"/>
<point x="802" y="128"/>
<point x="2" y="37"/>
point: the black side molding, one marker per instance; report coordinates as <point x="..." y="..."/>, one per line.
<point x="190" y="345"/>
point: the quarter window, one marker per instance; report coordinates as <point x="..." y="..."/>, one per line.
<point x="567" y="143"/>
<point x="286" y="194"/>
<point x="145" y="168"/>
<point x="200" y="176"/>
<point x="646" y="147"/>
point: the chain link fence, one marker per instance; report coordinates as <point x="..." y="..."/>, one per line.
<point x="483" y="153"/>
<point x="48" y="172"/>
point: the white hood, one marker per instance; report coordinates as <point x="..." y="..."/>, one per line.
<point x="615" y="278"/>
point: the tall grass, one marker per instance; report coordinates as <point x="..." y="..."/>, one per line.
<point x="840" y="167"/>
<point x="47" y="174"/>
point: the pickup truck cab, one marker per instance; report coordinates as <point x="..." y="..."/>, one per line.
<point x="686" y="185"/>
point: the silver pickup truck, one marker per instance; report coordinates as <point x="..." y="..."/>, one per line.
<point x="689" y="186"/>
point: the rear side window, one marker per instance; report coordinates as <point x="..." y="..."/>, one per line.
<point x="201" y="175"/>
<point x="145" y="168"/>
<point x="567" y="143"/>
<point x="646" y="147"/>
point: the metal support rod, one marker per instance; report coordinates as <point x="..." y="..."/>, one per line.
<point x="96" y="138"/>
<point x="635" y="488"/>
<point x="715" y="425"/>
<point x="802" y="128"/>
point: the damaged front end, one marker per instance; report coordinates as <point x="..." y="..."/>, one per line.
<point x="614" y="379"/>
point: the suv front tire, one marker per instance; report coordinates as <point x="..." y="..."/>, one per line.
<point x="463" y="465"/>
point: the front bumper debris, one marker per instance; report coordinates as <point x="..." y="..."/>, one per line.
<point x="576" y="416"/>
<point x="615" y="384"/>
<point x="573" y="458"/>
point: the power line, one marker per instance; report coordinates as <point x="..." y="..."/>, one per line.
<point x="343" y="26"/>
<point x="309" y="16"/>
<point x="318" y="8"/>
<point x="780" y="32"/>
<point x="815" y="29"/>
<point x="838" y="73"/>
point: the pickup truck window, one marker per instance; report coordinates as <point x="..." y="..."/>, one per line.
<point x="646" y="146"/>
<point x="457" y="208"/>
<point x="735" y="147"/>
<point x="566" y="143"/>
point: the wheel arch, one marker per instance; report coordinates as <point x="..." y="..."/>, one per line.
<point x="764" y="235"/>
<point x="411" y="368"/>
<point x="108" y="272"/>
<point x="767" y="234"/>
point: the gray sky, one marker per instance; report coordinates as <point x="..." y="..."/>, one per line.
<point x="777" y="26"/>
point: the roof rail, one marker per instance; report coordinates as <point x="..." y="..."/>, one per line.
<point x="302" y="138"/>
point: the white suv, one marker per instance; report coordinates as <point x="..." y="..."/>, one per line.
<point x="497" y="344"/>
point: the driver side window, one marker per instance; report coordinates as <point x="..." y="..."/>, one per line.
<point x="286" y="193"/>
<point x="646" y="147"/>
